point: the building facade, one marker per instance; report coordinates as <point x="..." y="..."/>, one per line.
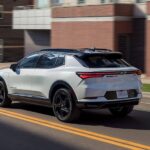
<point x="147" y="64"/>
<point x="11" y="41"/>
<point x="35" y="21"/>
<point x="120" y="25"/>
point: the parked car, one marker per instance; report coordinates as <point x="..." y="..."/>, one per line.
<point x="72" y="80"/>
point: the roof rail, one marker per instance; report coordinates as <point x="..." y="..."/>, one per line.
<point x="95" y="50"/>
<point x="77" y="50"/>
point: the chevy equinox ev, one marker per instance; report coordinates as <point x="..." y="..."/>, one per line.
<point x="70" y="80"/>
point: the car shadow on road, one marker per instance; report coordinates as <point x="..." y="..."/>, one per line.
<point x="13" y="138"/>
<point x="33" y="108"/>
<point x="138" y="119"/>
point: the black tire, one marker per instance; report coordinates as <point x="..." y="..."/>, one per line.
<point x="64" y="106"/>
<point x="4" y="100"/>
<point x="121" y="111"/>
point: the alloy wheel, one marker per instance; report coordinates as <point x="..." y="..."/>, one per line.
<point x="2" y="94"/>
<point x="62" y="105"/>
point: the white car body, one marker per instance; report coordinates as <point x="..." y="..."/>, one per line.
<point x="37" y="82"/>
<point x="89" y="86"/>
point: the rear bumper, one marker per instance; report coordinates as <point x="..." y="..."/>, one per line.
<point x="107" y="104"/>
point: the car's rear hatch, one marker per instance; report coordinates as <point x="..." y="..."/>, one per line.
<point x="109" y="73"/>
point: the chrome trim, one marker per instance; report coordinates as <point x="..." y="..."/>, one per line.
<point x="28" y="96"/>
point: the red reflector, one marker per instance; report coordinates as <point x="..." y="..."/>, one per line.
<point x="138" y="72"/>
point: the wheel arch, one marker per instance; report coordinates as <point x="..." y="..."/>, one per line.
<point x="2" y="79"/>
<point x="60" y="84"/>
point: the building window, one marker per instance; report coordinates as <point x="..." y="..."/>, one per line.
<point x="108" y="1"/>
<point x="103" y="1"/>
<point x="124" y="45"/>
<point x="57" y="2"/>
<point x="81" y="1"/>
<point x="1" y="11"/>
<point x="1" y="50"/>
<point x="42" y="3"/>
<point x="140" y="1"/>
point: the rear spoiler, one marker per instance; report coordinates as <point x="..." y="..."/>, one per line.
<point x="115" y="55"/>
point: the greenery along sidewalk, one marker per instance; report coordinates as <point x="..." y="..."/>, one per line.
<point x="146" y="88"/>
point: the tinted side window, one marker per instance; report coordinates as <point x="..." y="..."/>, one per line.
<point x="51" y="60"/>
<point x="29" y="62"/>
<point x="60" y="60"/>
<point x="47" y="61"/>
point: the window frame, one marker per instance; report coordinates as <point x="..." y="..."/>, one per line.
<point x="2" y="41"/>
<point x="103" y="1"/>
<point x="108" y="1"/>
<point x="79" y="2"/>
<point x="140" y="1"/>
<point x="2" y="48"/>
<point x="1" y="11"/>
<point x="58" y="3"/>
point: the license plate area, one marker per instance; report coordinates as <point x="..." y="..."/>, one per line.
<point x="122" y="94"/>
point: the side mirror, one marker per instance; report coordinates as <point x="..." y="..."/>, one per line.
<point x="13" y="67"/>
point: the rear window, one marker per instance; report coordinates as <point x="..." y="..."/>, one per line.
<point x="103" y="62"/>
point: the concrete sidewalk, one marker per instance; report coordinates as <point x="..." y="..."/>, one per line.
<point x="146" y="94"/>
<point x="145" y="80"/>
<point x="3" y="65"/>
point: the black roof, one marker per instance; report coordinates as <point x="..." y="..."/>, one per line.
<point x="83" y="52"/>
<point x="62" y="50"/>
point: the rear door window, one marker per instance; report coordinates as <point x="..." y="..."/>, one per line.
<point x="50" y="60"/>
<point x="47" y="61"/>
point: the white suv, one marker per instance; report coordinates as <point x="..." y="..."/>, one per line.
<point x="71" y="80"/>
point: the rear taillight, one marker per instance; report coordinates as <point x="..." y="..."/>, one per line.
<point x="86" y="75"/>
<point x="138" y="72"/>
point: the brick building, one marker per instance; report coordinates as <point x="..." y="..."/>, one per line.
<point x="11" y="41"/>
<point x="120" y="25"/>
<point x="117" y="26"/>
<point x="147" y="50"/>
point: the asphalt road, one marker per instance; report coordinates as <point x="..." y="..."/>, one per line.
<point x="28" y="127"/>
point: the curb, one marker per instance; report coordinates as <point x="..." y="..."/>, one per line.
<point x="146" y="94"/>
